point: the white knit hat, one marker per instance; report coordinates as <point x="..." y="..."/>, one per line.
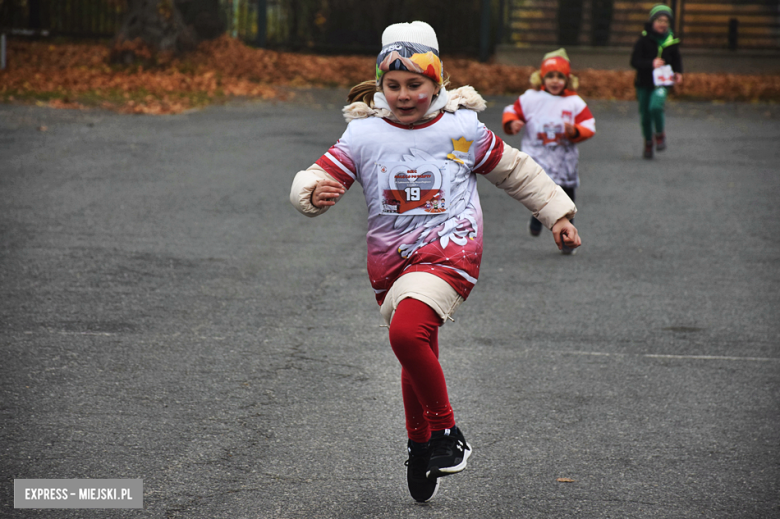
<point x="415" y="32"/>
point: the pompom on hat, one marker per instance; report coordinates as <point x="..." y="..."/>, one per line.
<point x="661" y="10"/>
<point x="555" y="61"/>
<point x="412" y="47"/>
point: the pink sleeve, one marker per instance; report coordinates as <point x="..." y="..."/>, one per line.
<point x="338" y="162"/>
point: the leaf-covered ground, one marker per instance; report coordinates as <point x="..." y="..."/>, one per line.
<point x="77" y="75"/>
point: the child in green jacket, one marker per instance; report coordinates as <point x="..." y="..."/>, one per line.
<point x="656" y="48"/>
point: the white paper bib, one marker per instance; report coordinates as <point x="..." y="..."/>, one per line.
<point x="413" y="188"/>
<point x="663" y="76"/>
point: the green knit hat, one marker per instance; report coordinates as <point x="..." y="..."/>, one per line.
<point x="661" y="10"/>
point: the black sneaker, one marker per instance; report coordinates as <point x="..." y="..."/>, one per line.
<point x="449" y="453"/>
<point x="421" y="488"/>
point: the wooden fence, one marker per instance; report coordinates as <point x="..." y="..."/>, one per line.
<point x="716" y="24"/>
<point x="745" y="24"/>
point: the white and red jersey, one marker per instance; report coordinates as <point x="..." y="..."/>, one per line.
<point x="420" y="185"/>
<point x="545" y="138"/>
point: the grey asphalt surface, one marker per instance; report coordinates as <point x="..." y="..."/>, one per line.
<point x="165" y="314"/>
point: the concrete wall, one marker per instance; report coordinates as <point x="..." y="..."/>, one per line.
<point x="608" y="58"/>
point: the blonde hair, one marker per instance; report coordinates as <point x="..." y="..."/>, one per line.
<point x="364" y="92"/>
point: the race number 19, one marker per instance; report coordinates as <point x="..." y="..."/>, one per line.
<point x="412" y="194"/>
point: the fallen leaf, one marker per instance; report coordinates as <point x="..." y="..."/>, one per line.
<point x="565" y="480"/>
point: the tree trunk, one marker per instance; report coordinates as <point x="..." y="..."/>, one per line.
<point x="166" y="25"/>
<point x="204" y="16"/>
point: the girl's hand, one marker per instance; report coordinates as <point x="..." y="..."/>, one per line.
<point x="327" y="192"/>
<point x="571" y="130"/>
<point x="564" y="232"/>
<point x="515" y="127"/>
<point x="678" y="78"/>
<point x="658" y="62"/>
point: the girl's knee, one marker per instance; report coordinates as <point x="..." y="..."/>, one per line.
<point x="399" y="334"/>
<point x="407" y="337"/>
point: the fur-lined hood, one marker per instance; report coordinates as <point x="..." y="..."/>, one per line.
<point x="448" y="101"/>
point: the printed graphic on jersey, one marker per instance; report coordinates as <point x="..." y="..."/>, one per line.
<point x="417" y="186"/>
<point x="551" y="134"/>
<point x="554" y="130"/>
<point x="440" y="235"/>
<point x="446" y="216"/>
<point x="460" y="150"/>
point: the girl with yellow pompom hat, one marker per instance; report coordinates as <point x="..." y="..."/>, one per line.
<point x="555" y="119"/>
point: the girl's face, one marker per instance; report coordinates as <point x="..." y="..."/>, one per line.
<point x="408" y="94"/>
<point x="661" y="24"/>
<point x="554" y="82"/>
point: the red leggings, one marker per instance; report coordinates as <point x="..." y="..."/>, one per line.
<point x="414" y="337"/>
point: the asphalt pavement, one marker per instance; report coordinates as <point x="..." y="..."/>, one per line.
<point x="166" y="315"/>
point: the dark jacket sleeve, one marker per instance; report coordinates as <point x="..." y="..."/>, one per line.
<point x="672" y="57"/>
<point x="640" y="58"/>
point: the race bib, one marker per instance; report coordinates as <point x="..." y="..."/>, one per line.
<point x="553" y="131"/>
<point x="663" y="76"/>
<point x="413" y="188"/>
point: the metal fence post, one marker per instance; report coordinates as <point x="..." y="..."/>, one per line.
<point x="2" y="51"/>
<point x="484" y="32"/>
<point x="262" y="23"/>
<point x="235" y="6"/>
